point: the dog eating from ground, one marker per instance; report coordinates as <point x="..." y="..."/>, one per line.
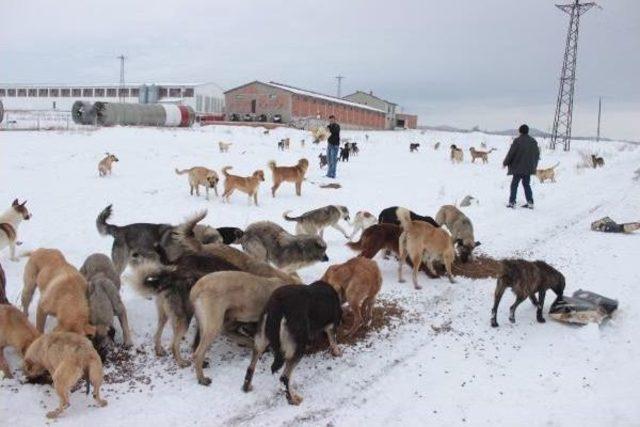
<point x="224" y="146"/>
<point x="63" y="292"/>
<point x="15" y="331"/>
<point x="323" y="160"/>
<point x="361" y="221"/>
<point x="376" y="238"/>
<point x="421" y="241"/>
<point x="67" y="357"/>
<point x="413" y="147"/>
<point x="9" y="222"/>
<point x="105" y="165"/>
<point x="267" y="241"/>
<point x="247" y="184"/>
<point x="294" y="315"/>
<point x="199" y="175"/>
<point x="315" y="221"/>
<point x="357" y="281"/>
<point x="223" y="299"/>
<point x="457" y="155"/>
<point x="293" y="174"/>
<point x="104" y="301"/>
<point x="461" y="229"/>
<point x="548" y="174"/>
<point x="526" y="278"/>
<point x="482" y="155"/>
<point x="389" y="216"/>
<point x="230" y="235"/>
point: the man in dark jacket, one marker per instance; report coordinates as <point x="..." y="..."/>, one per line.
<point x="522" y="161"/>
<point x="333" y="146"/>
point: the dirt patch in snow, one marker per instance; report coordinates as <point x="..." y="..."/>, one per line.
<point x="481" y="267"/>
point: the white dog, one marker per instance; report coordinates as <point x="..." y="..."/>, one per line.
<point x="9" y="222"/>
<point x="362" y="221"/>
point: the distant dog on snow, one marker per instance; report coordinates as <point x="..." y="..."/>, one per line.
<point x="482" y="155"/>
<point x="293" y="174"/>
<point x="9" y="222"/>
<point x="457" y="155"/>
<point x="344" y="153"/>
<point x="199" y="175"/>
<point x="413" y="147"/>
<point x="104" y="166"/>
<point x="316" y="220"/>
<point x="323" y="160"/>
<point x="224" y="146"/>
<point x="293" y="316"/>
<point x="547" y="174"/>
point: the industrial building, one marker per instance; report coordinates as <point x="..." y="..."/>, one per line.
<point x="393" y="118"/>
<point x="298" y="107"/>
<point x="202" y="97"/>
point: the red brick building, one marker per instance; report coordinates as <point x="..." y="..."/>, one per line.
<point x="296" y="105"/>
<point x="407" y="121"/>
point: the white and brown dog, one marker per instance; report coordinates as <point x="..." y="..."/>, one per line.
<point x="362" y="221"/>
<point x="9" y="222"/>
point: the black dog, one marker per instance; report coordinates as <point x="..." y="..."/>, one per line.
<point x="3" y="284"/>
<point x="281" y="144"/>
<point x="388" y="216"/>
<point x="344" y="153"/>
<point x="323" y="160"/>
<point x="354" y="148"/>
<point x="230" y="235"/>
<point x="413" y="147"/>
<point x="525" y="278"/>
<point x="307" y="311"/>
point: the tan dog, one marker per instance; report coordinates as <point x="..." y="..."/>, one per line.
<point x="104" y="167"/>
<point x="457" y="155"/>
<point x="63" y="292"/>
<point x="221" y="298"/>
<point x="246" y="184"/>
<point x="9" y="222"/>
<point x="199" y="175"/>
<point x="357" y="281"/>
<point x="16" y="332"/>
<point x="224" y="146"/>
<point x="547" y="174"/>
<point x="477" y="154"/>
<point x="422" y="241"/>
<point x="288" y="174"/>
<point x="67" y="357"/>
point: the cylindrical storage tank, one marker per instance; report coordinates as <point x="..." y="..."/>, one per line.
<point x="153" y="94"/>
<point x="83" y="113"/>
<point x="111" y="114"/>
<point x="1" y="112"/>
<point x="143" y="94"/>
<point x="179" y="115"/>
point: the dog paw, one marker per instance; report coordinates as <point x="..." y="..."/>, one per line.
<point x="102" y="403"/>
<point x="494" y="323"/>
<point x="206" y="381"/>
<point x="401" y="281"/>
<point x="54" y="414"/>
<point x="512" y="319"/>
<point x="295" y="399"/>
<point x="416" y="286"/>
<point x="247" y="387"/>
<point x="161" y="352"/>
<point x="336" y="352"/>
<point x="541" y="320"/>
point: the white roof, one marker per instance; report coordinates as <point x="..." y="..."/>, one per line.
<point x="321" y="96"/>
<point x="89" y="85"/>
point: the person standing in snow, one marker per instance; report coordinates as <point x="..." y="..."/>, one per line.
<point x="522" y="161"/>
<point x="333" y="146"/>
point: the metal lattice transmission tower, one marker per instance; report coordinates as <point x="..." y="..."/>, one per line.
<point x="561" y="133"/>
<point x="121" y="89"/>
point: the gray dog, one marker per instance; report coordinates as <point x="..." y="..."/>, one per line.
<point x="104" y="300"/>
<point x="267" y="241"/>
<point x="315" y="221"/>
<point x="461" y="230"/>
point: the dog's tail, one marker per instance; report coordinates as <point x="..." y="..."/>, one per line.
<point x="181" y="172"/>
<point x="404" y="216"/>
<point x="101" y="223"/>
<point x="225" y="169"/>
<point x="555" y="166"/>
<point x="286" y="217"/>
<point x="272" y="164"/>
<point x="184" y="233"/>
<point x="274" y="322"/>
<point x="146" y="277"/>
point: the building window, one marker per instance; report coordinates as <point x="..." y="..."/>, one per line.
<point x="3" y="92"/>
<point x="88" y="93"/>
<point x="11" y="92"/>
<point x="207" y="104"/>
<point x="123" y="93"/>
<point x="98" y="92"/>
<point x="163" y="92"/>
<point x="199" y="103"/>
<point x="111" y="93"/>
<point x="65" y="92"/>
<point x="54" y="92"/>
<point x="32" y="92"/>
<point x="174" y="93"/>
<point x="43" y="92"/>
<point x="135" y="92"/>
<point x="76" y="92"/>
<point x="272" y="96"/>
<point x="188" y="92"/>
<point x="22" y="92"/>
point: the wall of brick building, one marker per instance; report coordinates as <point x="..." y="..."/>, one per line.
<point x="410" y="120"/>
<point x="269" y="100"/>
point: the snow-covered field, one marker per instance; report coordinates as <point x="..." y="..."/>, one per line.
<point x="520" y="374"/>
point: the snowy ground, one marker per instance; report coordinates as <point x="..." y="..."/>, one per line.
<point x="527" y="373"/>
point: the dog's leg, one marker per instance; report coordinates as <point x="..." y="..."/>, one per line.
<point x="402" y="256"/>
<point x="162" y="320"/>
<point x="180" y="326"/>
<point x="12" y="251"/>
<point x="191" y="189"/>
<point x="30" y="283"/>
<point x="4" y="366"/>
<point x="276" y="185"/>
<point x="292" y="397"/>
<point x="215" y="189"/>
<point x="541" y="296"/>
<point x="512" y="310"/>
<point x="299" y="188"/>
<point x="64" y="377"/>
<point x="501" y="285"/>
<point x="41" y="318"/>
<point x="259" y="347"/>
<point x="255" y="198"/>
<point x="121" y="312"/>
<point x="340" y="229"/>
<point x="416" y="261"/>
<point x="210" y="328"/>
<point x="95" y="379"/>
<point x="331" y="335"/>
<point x="197" y="189"/>
<point x="206" y="190"/>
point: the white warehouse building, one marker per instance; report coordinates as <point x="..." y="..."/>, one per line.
<point x="202" y="97"/>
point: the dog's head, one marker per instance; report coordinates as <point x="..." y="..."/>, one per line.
<point x="259" y="174"/>
<point x="465" y="249"/>
<point x="344" y="212"/>
<point x="212" y="180"/>
<point x="113" y="158"/>
<point x="303" y="164"/>
<point x="21" y="209"/>
<point x="33" y="370"/>
<point x="313" y="248"/>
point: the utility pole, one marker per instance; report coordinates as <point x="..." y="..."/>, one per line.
<point x="599" y="117"/>
<point x="339" y="79"/>
<point x="564" y="107"/>
<point x="120" y="95"/>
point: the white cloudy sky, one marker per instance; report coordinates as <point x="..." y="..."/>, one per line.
<point x="493" y="63"/>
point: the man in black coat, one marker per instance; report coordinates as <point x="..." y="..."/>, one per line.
<point x="333" y="145"/>
<point x="522" y="161"/>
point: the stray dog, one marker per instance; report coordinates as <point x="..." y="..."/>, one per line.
<point x="104" y="167"/>
<point x="597" y="161"/>
<point x="389" y="216"/>
<point x="461" y="230"/>
<point x="357" y="281"/>
<point x="16" y="332"/>
<point x="3" y="287"/>
<point x="198" y="176"/>
<point x="422" y="241"/>
<point x="230" y="235"/>
<point x="135" y="242"/>
<point x="457" y="155"/>
<point x="362" y="221"/>
<point x="246" y="184"/>
<point x="436" y="146"/>
<point x="224" y="146"/>
<point x="9" y="222"/>
<point x="63" y="292"/>
<point x="344" y="153"/>
<point x="67" y="357"/>
<point x="267" y="241"/>
<point x="483" y="155"/>
<point x="525" y="279"/>
<point x="283" y="144"/>
<point x="547" y="174"/>
<point x="221" y="299"/>
<point x="302" y="143"/>
<point x="104" y="300"/>
<point x="323" y="160"/>
<point x="483" y="145"/>
<point x="413" y="147"/>
<point x="376" y="238"/>
<point x="354" y="148"/>
<point x="315" y="221"/>
<point x="294" y="315"/>
<point x="293" y="174"/>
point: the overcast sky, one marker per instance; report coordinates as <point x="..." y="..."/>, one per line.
<point x="492" y="63"/>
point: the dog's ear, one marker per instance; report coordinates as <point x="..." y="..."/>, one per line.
<point x="15" y="202"/>
<point x="477" y="244"/>
<point x="458" y="242"/>
<point x="23" y="203"/>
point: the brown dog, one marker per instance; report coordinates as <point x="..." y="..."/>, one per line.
<point x="288" y="174"/>
<point x="357" y="281"/>
<point x="376" y="238"/>
<point x="482" y="155"/>
<point x="248" y="184"/>
<point x="457" y="155"/>
<point x="104" y="167"/>
<point x="67" y="357"/>
<point x="547" y="174"/>
<point x="3" y="286"/>
<point x="422" y="241"/>
<point x="16" y="332"/>
<point x="63" y="292"/>
<point x="199" y="175"/>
